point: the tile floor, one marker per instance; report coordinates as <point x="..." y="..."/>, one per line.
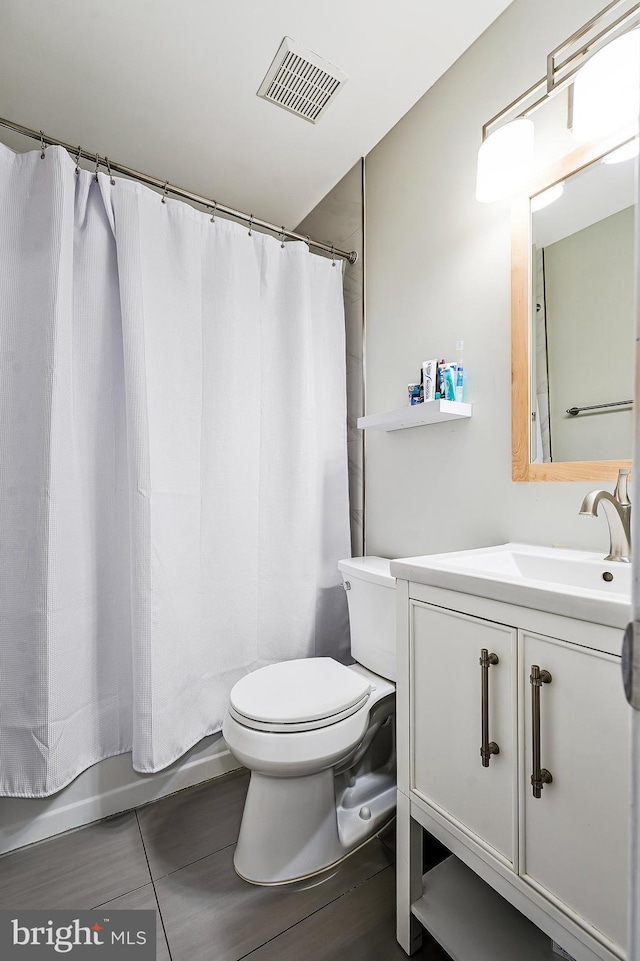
<point x="176" y="856"/>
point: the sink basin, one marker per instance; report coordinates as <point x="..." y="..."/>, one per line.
<point x="576" y="584"/>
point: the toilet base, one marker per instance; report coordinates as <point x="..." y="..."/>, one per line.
<point x="295" y="828"/>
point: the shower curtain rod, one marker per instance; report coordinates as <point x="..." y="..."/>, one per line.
<point x="167" y="188"/>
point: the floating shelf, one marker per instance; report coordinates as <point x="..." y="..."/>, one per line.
<point x="473" y="922"/>
<point x="431" y="412"/>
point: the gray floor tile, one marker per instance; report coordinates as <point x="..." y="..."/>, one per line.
<point x="209" y="912"/>
<point x="76" y="870"/>
<point x="140" y="900"/>
<point x="192" y="824"/>
<point x="359" y="926"/>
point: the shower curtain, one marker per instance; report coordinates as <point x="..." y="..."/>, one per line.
<point x="173" y="468"/>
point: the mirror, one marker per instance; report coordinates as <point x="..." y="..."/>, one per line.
<point x="573" y="317"/>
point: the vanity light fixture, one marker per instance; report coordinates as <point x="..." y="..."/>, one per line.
<point x="599" y="60"/>
<point x="547" y="197"/>
<point x="606" y="91"/>
<point x="504" y="161"/>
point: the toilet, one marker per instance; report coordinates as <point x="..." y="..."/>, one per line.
<point x="319" y="740"/>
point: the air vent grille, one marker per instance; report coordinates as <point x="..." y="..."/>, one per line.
<point x="301" y="82"/>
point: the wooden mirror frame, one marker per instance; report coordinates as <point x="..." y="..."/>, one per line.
<point x="522" y="468"/>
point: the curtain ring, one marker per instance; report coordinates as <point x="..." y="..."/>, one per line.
<point x="282" y="237"/>
<point x="333" y="256"/>
<point x="78" y="160"/>
<point x="165" y="192"/>
<point x="108" y="166"/>
<point x="213" y="211"/>
<point x="42" y="146"/>
<point x="250" y="223"/>
<point x="95" y="176"/>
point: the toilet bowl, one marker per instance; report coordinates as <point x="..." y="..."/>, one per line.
<point x="319" y="740"/>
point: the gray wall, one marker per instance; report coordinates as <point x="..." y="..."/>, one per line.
<point x="589" y="291"/>
<point x="438" y="270"/>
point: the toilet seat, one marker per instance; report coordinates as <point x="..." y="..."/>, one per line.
<point x="299" y="695"/>
<point x="291" y="727"/>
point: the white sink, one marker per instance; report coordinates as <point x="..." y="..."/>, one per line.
<point x="572" y="583"/>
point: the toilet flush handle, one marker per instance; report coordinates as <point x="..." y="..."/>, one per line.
<point x="347" y="585"/>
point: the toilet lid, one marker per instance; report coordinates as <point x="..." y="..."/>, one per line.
<point x="291" y="692"/>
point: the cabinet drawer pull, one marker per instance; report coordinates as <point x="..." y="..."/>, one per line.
<point x="488" y="747"/>
<point x="540" y="775"/>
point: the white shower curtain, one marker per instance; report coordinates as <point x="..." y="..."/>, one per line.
<point x="173" y="469"/>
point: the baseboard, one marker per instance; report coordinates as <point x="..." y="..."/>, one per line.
<point x="105" y="789"/>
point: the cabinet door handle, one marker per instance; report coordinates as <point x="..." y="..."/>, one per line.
<point x="488" y="747"/>
<point x="540" y="775"/>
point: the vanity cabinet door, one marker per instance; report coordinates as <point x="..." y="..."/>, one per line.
<point x="574" y="838"/>
<point x="446" y="712"/>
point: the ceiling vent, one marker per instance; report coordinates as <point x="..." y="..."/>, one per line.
<point x="301" y="81"/>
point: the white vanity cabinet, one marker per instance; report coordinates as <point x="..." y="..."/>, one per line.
<point x="574" y="839"/>
<point x="445" y="695"/>
<point x="559" y="858"/>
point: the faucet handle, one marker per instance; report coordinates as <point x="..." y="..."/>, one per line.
<point x="621" y="493"/>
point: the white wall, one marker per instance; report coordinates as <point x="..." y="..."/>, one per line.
<point x="438" y="269"/>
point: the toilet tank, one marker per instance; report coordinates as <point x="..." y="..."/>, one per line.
<point x="371" y="596"/>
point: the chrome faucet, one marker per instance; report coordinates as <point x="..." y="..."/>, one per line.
<point x="617" y="510"/>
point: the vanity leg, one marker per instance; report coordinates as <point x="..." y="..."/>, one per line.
<point x="408" y="876"/>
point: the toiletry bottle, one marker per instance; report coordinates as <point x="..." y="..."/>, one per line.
<point x="460" y="378"/>
<point x="449" y="374"/>
<point x="440" y="378"/>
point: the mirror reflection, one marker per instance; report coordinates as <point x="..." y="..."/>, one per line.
<point x="582" y="275"/>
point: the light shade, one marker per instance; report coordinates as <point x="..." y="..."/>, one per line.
<point x="504" y="161"/>
<point x="606" y="93"/>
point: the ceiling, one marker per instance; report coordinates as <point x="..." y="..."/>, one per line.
<point x="169" y="87"/>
